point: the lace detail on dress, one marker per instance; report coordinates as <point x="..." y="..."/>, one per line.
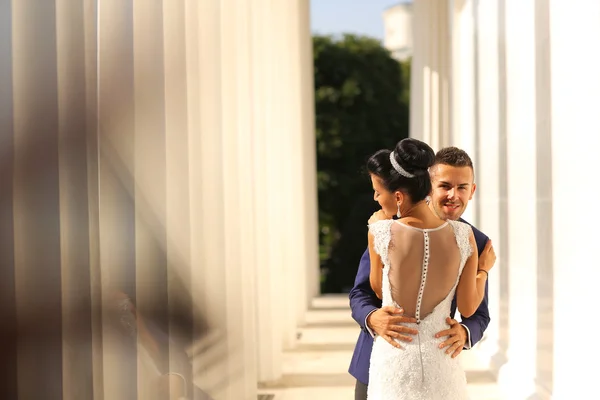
<point x="462" y="232"/>
<point x="382" y="235"/>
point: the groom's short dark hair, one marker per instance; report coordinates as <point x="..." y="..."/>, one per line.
<point x="454" y="157"/>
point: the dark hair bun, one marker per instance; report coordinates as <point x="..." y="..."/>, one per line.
<point x="414" y="155"/>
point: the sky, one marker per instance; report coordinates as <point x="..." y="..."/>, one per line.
<point x="349" y="16"/>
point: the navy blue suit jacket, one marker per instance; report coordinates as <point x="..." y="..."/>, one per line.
<point x="363" y="300"/>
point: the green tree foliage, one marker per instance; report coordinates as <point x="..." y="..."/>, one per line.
<point x="362" y="105"/>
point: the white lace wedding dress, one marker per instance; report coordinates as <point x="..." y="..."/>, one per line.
<point x="421" y="272"/>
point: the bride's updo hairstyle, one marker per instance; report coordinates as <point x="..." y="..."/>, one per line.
<point x="405" y="169"/>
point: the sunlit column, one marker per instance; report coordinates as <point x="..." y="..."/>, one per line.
<point x="307" y="142"/>
<point x="277" y="167"/>
<point x="575" y="88"/>
<point x="239" y="197"/>
<point x="499" y="358"/>
<point x="207" y="181"/>
<point x="419" y="92"/>
<point x="444" y="62"/>
<point x="433" y="75"/>
<point x="439" y="61"/>
<point x="464" y="78"/>
<point x="430" y="119"/>
<point x="463" y="84"/>
<point x="297" y="279"/>
<point x="544" y="171"/>
<point x="267" y="211"/>
<point x="304" y="246"/>
<point x="517" y="376"/>
<point x="285" y="126"/>
<point x="487" y="167"/>
<point x="245" y="141"/>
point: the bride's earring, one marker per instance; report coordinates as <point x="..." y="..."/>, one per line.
<point x="398" y="213"/>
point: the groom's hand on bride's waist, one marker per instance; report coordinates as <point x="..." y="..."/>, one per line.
<point x="456" y="337"/>
<point x="385" y="322"/>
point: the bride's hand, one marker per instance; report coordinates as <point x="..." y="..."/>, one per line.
<point x="377" y="216"/>
<point x="487" y="257"/>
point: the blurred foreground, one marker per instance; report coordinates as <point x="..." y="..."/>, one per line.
<point x="141" y="246"/>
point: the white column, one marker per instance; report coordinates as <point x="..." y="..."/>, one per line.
<point x="419" y="88"/>
<point x="517" y="376"/>
<point x="307" y="142"/>
<point x="430" y="71"/>
<point x="296" y="230"/>
<point x="444" y="68"/>
<point x="178" y="247"/>
<point x="209" y="353"/>
<point x="487" y="168"/>
<point x="275" y="169"/>
<point x="464" y="77"/>
<point x="545" y="270"/>
<point x="286" y="121"/>
<point x="463" y="86"/>
<point x="441" y="72"/>
<point x="434" y="45"/>
<point x="299" y="254"/>
<point x="268" y="278"/>
<point x="207" y="199"/>
<point x="239" y="197"/>
<point x="231" y="219"/>
<point x="244" y="143"/>
<point x="575" y="87"/>
<point x="502" y="251"/>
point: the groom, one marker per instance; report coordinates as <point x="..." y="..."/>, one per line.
<point x="452" y="178"/>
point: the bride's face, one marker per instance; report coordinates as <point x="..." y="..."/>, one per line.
<point x="386" y="199"/>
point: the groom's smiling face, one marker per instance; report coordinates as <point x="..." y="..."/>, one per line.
<point x="452" y="188"/>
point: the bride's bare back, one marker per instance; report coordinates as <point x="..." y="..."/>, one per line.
<point x="413" y="251"/>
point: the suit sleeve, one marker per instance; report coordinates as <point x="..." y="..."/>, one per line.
<point x="363" y="300"/>
<point x="479" y="321"/>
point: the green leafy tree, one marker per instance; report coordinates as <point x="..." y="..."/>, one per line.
<point x="362" y="105"/>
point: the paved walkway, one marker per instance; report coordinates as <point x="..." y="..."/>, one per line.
<point x="317" y="368"/>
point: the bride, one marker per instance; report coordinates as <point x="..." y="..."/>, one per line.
<point x="418" y="263"/>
